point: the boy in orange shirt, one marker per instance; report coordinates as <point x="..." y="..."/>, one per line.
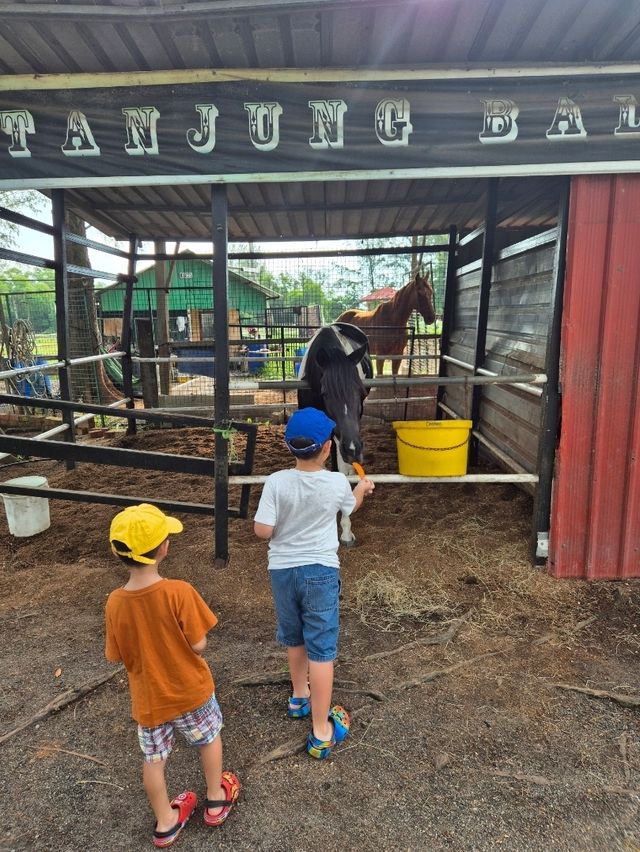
<point x="158" y="628"/>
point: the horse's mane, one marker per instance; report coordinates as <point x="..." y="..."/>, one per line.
<point x="339" y="375"/>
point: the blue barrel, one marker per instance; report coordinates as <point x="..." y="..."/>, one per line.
<point x="257" y="350"/>
<point x="196" y="368"/>
<point x="296" y="364"/>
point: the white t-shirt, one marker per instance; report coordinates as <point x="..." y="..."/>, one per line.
<point x="302" y="507"/>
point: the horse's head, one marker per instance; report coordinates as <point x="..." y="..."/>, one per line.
<point x="424" y="298"/>
<point x="343" y="393"/>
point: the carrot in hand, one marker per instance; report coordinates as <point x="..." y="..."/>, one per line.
<point x="358" y="469"/>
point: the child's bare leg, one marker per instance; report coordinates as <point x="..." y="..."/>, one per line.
<point x="156" y="789"/>
<point x="299" y="671"/>
<point x="321" y="683"/>
<point x="211" y="758"/>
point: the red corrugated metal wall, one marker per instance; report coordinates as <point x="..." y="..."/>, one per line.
<point x="595" y="520"/>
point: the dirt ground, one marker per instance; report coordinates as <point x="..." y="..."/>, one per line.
<point x="467" y="744"/>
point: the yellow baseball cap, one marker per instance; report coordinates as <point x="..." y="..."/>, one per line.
<point x="141" y="528"/>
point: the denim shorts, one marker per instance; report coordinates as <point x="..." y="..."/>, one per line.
<point x="306" y="601"/>
<point x="199" y="727"/>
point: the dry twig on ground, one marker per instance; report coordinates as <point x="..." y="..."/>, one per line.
<point x="440" y="639"/>
<point x="53" y="749"/>
<point x="619" y="698"/>
<point x="61" y="701"/>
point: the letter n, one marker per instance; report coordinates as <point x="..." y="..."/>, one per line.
<point x="142" y="136"/>
<point x="328" y="124"/>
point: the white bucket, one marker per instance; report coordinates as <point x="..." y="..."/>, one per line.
<point x="27" y="515"/>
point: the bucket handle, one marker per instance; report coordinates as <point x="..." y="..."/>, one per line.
<point x="432" y="449"/>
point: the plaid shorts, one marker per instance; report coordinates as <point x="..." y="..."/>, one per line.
<point x="199" y="727"/>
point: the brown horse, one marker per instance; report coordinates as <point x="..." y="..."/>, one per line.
<point x="386" y="326"/>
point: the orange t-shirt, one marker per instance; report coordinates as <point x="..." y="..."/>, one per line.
<point x="152" y="631"/>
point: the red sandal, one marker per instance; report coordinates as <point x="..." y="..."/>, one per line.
<point x="231" y="786"/>
<point x="185" y="804"/>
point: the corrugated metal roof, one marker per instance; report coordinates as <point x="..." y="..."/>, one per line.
<point x="316" y="210"/>
<point x="74" y="36"/>
<point x="596" y="529"/>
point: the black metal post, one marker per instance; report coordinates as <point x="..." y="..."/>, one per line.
<point x="550" y="414"/>
<point x="148" y="373"/>
<point x="488" y="242"/>
<point x="447" y="313"/>
<point x="219" y="213"/>
<point x="62" y="312"/>
<point x="283" y="364"/>
<point x="127" y="327"/>
<point x="412" y="347"/>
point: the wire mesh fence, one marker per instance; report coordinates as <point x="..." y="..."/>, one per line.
<point x="275" y="305"/>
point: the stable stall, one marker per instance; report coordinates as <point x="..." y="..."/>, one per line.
<point x="529" y="168"/>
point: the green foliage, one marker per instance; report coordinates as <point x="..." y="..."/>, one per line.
<point x="29" y="295"/>
<point x="343" y="283"/>
<point x="25" y="201"/>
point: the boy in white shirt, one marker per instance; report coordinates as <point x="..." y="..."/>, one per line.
<point x="297" y="513"/>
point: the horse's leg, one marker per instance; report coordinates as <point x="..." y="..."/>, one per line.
<point x="347" y="538"/>
<point x="379" y="366"/>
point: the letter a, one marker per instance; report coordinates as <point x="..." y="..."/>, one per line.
<point x="567" y="122"/>
<point x="79" y="141"/>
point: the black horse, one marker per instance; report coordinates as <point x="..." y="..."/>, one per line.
<point x="335" y="366"/>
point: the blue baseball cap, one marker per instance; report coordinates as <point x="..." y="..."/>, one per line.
<point x="308" y="425"/>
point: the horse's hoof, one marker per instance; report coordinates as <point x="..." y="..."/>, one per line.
<point x="350" y="543"/>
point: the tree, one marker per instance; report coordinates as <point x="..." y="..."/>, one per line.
<point x="29" y="295"/>
<point x="25" y="201"/>
<point x="89" y="383"/>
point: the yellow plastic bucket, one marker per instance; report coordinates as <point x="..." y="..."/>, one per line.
<point x="432" y="447"/>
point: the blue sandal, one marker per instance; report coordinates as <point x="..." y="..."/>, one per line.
<point x="341" y="722"/>
<point x="321" y="749"/>
<point x="299" y="708"/>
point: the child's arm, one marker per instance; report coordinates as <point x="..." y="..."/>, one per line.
<point x="263" y="530"/>
<point x="361" y="490"/>
<point x="201" y="645"/>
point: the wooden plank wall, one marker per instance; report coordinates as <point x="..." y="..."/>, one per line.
<point x="517" y="328"/>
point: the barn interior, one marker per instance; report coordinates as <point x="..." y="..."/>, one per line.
<point x="508" y="219"/>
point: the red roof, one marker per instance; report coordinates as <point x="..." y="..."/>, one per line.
<point x="382" y="295"/>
